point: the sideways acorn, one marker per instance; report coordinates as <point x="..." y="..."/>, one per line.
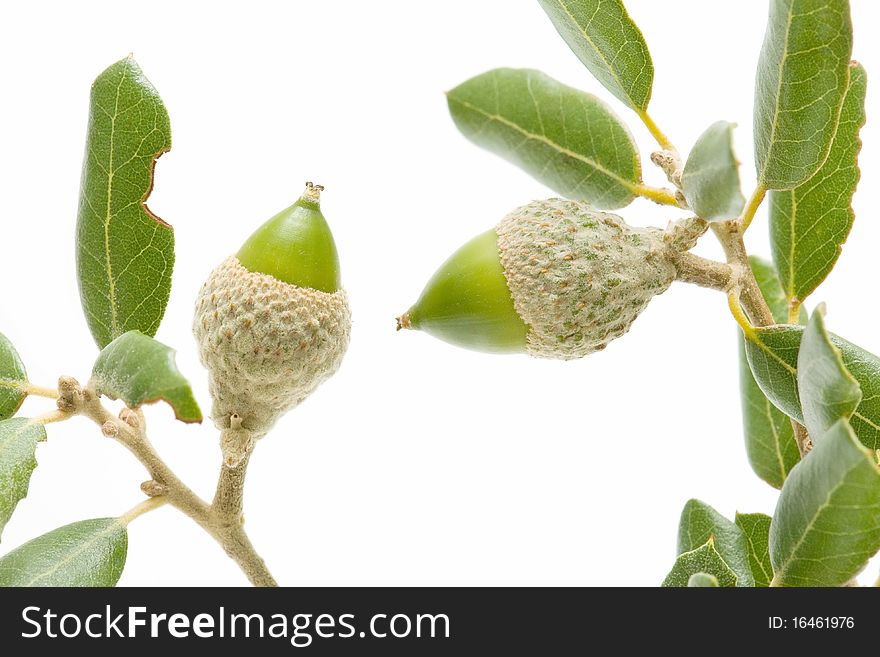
<point x="272" y="323"/>
<point x="554" y="279"/>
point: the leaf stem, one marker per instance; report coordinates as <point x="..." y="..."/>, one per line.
<point x="657" y="194"/>
<point x="733" y="302"/>
<point x="39" y="391"/>
<point x="655" y="131"/>
<point x="130" y="431"/>
<point x="752" y="206"/>
<point x="52" y="416"/>
<point x="794" y="311"/>
<point x="667" y="159"/>
<point x="144" y="507"/>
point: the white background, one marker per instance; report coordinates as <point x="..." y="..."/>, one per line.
<point x="419" y="463"/>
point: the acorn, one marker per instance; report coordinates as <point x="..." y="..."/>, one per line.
<point x="272" y="323"/>
<point x="555" y="279"/>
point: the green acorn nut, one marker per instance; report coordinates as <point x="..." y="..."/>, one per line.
<point x="272" y="323"/>
<point x="554" y="279"/>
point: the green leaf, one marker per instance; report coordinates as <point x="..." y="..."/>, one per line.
<point x="769" y="437"/>
<point x="140" y="370"/>
<point x="705" y="559"/>
<point x="85" y="553"/>
<point x="809" y="224"/>
<point x="703" y="580"/>
<point x="770" y="443"/>
<point x="827" y="520"/>
<point x="124" y="252"/>
<point x="711" y="175"/>
<point x="13" y="379"/>
<point x="18" y="447"/>
<point x="756" y="528"/>
<point x="828" y="392"/>
<point x="773" y="357"/>
<point x="802" y="76"/>
<point x="605" y="39"/>
<point x="700" y="523"/>
<point x="567" y="139"/>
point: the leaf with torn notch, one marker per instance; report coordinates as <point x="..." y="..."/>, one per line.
<point x="124" y="253"/>
<point x="19" y="438"/>
<point x="140" y="370"/>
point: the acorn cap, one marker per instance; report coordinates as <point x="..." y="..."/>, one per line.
<point x="578" y="276"/>
<point x="267" y="344"/>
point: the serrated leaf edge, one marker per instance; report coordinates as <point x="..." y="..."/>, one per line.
<point x="852" y="215"/>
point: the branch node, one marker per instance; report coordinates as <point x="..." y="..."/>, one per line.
<point x="236" y="443"/>
<point x="669" y="163"/>
<point x="70" y="394"/>
<point x="130" y="417"/>
<point x="683" y="234"/>
<point x="152" y="488"/>
<point x="110" y="429"/>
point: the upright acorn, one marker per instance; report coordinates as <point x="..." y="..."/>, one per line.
<point x="272" y="323"/>
<point x="555" y="279"/>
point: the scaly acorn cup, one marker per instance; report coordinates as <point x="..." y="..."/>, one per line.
<point x="554" y="279"/>
<point x="272" y="323"/>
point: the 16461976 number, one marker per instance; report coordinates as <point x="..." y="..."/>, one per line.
<point x="811" y="622"/>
